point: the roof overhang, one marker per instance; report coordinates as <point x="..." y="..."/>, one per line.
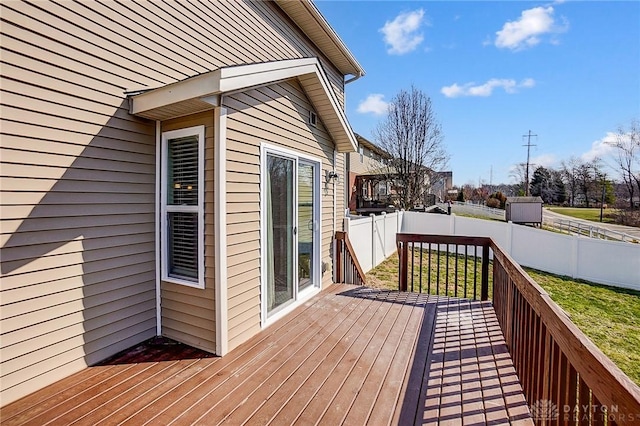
<point x="309" y="19"/>
<point x="371" y="146"/>
<point x="202" y="93"/>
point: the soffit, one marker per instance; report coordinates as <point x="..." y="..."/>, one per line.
<point x="202" y="92"/>
<point x="309" y="19"/>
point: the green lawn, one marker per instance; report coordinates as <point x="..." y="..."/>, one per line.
<point x="609" y="316"/>
<point x="592" y="214"/>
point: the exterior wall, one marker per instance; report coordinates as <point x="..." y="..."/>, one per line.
<point x="355" y="167"/>
<point x="77" y="172"/>
<point x="188" y="314"/>
<point x="276" y="115"/>
<point x="368" y="165"/>
<point x="526" y="212"/>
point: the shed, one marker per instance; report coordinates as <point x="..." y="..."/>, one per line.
<point x="524" y="210"/>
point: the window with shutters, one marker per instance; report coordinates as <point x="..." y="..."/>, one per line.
<point x="183" y="206"/>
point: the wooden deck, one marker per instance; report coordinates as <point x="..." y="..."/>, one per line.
<point x="352" y="355"/>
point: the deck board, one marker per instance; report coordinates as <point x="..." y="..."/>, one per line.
<point x="352" y="355"/>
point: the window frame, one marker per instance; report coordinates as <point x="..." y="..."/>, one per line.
<point x="168" y="208"/>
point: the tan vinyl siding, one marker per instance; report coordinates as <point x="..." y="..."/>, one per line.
<point x="78" y="173"/>
<point x="77" y="237"/>
<point x="188" y="314"/>
<point x="277" y="115"/>
<point x="368" y="164"/>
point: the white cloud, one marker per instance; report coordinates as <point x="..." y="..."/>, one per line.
<point x="600" y="148"/>
<point x="544" y="160"/>
<point x="486" y="89"/>
<point x="529" y="28"/>
<point x="374" y="104"/>
<point x="402" y="34"/>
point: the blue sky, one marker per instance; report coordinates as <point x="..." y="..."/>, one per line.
<point x="568" y="71"/>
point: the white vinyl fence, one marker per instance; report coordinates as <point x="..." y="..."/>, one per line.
<point x="373" y="237"/>
<point x="607" y="262"/>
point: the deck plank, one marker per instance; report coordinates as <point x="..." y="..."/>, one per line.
<point x="271" y="375"/>
<point x="352" y="355"/>
<point x="304" y="393"/>
<point x="368" y="375"/>
<point x="288" y="386"/>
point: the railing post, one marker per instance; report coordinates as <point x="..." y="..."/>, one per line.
<point x="339" y="258"/>
<point x="402" y="270"/>
<point x="484" y="288"/>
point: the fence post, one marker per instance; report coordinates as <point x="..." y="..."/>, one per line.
<point x="452" y="224"/>
<point x="574" y="256"/>
<point x="484" y="289"/>
<point x="383" y="237"/>
<point x="373" y="240"/>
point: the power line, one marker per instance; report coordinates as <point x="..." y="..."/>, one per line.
<point x="526" y="175"/>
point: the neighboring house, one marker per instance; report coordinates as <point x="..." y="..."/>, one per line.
<point x="367" y="183"/>
<point x="441" y="184"/>
<point x="166" y="170"/>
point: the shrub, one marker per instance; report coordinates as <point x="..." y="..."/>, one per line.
<point x="493" y="203"/>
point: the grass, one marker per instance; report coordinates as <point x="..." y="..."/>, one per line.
<point x="609" y="316"/>
<point x="446" y="276"/>
<point x="592" y="214"/>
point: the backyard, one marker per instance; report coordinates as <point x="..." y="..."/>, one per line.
<point x="609" y="316"/>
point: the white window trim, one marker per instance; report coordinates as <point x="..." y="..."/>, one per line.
<point x="300" y="297"/>
<point x="164" y="208"/>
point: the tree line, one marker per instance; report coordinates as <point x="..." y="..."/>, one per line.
<point x="578" y="182"/>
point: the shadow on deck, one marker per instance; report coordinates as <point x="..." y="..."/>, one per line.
<point x="351" y="355"/>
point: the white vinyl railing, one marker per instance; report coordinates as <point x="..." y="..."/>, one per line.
<point x="580" y="228"/>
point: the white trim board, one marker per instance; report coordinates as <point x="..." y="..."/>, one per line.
<point x="220" y="224"/>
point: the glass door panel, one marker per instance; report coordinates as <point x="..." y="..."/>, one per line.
<point x="306" y="225"/>
<point x="280" y="232"/>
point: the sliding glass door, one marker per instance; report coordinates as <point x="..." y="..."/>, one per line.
<point x="290" y="228"/>
<point x="306" y="224"/>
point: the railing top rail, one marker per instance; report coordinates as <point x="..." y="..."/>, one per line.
<point x="443" y="239"/>
<point x="607" y="381"/>
<point x="344" y="236"/>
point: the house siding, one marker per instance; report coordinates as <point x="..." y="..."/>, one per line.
<point x="78" y="174"/>
<point x="277" y="115"/>
<point x="188" y="314"/>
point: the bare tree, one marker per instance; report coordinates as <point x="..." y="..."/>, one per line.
<point x="518" y="174"/>
<point x="411" y="134"/>
<point x="581" y="179"/>
<point x="627" y="157"/>
<point x="569" y="173"/>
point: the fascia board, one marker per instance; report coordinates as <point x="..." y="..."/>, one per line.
<point x="194" y="87"/>
<point x="246" y="76"/>
<point x="337" y="111"/>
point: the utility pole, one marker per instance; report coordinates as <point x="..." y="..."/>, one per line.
<point x="491" y="179"/>
<point x="526" y="174"/>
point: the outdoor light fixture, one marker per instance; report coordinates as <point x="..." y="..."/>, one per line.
<point x="332" y="175"/>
